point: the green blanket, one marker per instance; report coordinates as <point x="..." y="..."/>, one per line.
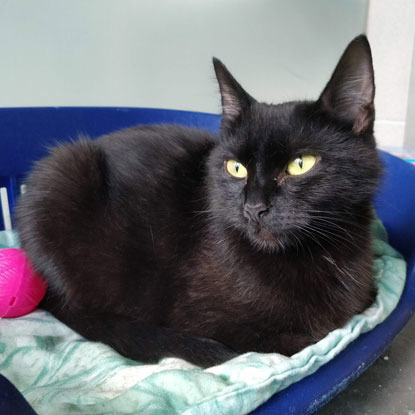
<point x="59" y="372"/>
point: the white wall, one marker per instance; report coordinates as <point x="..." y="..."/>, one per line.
<point x="391" y="32"/>
<point x="157" y="53"/>
<point x="410" y="116"/>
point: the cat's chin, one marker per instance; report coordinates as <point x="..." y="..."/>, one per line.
<point x="265" y="241"/>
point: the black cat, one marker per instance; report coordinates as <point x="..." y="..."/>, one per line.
<point x="169" y="241"/>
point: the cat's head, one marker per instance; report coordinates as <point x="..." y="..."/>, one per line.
<point x="284" y="173"/>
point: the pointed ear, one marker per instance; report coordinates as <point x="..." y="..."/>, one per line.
<point x="235" y="101"/>
<point x="350" y="92"/>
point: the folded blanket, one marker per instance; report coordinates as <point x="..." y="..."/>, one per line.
<point x="60" y="372"/>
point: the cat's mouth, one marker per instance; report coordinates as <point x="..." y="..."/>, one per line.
<point x="264" y="239"/>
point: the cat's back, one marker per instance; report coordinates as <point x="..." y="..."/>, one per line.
<point x="95" y="204"/>
<point x="163" y="158"/>
<point x="140" y="160"/>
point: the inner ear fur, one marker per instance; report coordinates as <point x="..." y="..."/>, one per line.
<point x="235" y="100"/>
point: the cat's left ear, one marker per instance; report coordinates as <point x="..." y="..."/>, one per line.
<point x="235" y="100"/>
<point x="350" y="92"/>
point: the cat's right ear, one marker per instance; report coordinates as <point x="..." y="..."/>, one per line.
<point x="235" y="100"/>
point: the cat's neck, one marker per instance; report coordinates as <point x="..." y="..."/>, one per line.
<point x="329" y="251"/>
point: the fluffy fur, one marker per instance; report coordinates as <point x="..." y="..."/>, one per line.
<point x="151" y="246"/>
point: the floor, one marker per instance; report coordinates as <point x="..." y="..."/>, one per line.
<point x="387" y="387"/>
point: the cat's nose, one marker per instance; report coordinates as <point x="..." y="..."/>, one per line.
<point x="255" y="211"/>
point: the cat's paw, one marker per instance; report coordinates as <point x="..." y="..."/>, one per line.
<point x="205" y="352"/>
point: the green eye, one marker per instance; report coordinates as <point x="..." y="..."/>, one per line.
<point x="236" y="169"/>
<point x="301" y="164"/>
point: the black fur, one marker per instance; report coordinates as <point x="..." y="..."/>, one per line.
<point x="148" y="245"/>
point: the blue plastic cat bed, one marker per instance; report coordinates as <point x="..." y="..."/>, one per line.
<point x="25" y="134"/>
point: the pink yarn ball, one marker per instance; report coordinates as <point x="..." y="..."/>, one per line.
<point x="21" y="289"/>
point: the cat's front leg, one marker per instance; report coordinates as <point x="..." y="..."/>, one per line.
<point x="137" y="340"/>
<point x="285" y="343"/>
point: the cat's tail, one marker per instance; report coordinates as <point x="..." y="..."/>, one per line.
<point x="137" y="340"/>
